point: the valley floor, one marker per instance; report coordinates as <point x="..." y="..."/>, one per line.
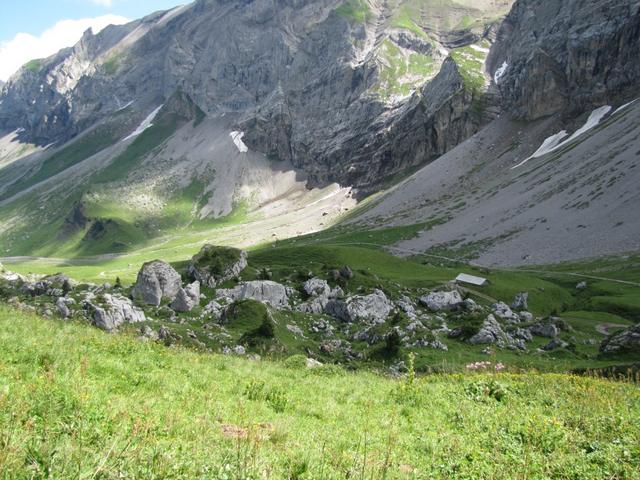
<point x="78" y="403"/>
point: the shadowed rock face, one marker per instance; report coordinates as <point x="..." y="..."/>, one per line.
<point x="567" y="56"/>
<point x="300" y="78"/>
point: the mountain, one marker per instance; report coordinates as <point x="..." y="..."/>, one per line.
<point x="246" y="122"/>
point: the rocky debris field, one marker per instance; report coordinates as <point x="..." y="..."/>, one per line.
<point x="208" y="305"/>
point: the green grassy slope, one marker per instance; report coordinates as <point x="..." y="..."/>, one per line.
<point x="77" y="403"/>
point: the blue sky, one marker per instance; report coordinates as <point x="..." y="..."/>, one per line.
<point x="32" y="29"/>
<point x="35" y="16"/>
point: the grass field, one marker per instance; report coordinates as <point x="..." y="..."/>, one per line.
<point x="78" y="403"/>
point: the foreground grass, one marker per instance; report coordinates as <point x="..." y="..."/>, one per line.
<point x="77" y="403"/>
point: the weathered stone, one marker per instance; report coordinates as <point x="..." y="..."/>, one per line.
<point x="188" y="298"/>
<point x="115" y="311"/>
<point x="438" y="301"/>
<point x="581" y="286"/>
<point x="490" y="333"/>
<point x="156" y="281"/>
<point x="62" y="304"/>
<point x="316" y="287"/>
<point x="265" y="291"/>
<point x="555" y="344"/>
<point x="214" y="265"/>
<point x="502" y="310"/>
<point x="627" y="341"/>
<point x="213" y="310"/>
<point x="548" y="330"/>
<point x="521" y="301"/>
<point x="374" y="308"/>
<point x="525" y="317"/>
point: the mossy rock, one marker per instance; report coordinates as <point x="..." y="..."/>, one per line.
<point x="214" y="265"/>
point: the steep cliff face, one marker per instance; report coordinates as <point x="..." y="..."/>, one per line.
<point x="567" y="56"/>
<point x="329" y="85"/>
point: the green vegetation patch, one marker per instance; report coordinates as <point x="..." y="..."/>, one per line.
<point x="355" y="11"/>
<point x="216" y="260"/>
<point x="471" y="66"/>
<point x="401" y="74"/>
<point x="78" y="403"/>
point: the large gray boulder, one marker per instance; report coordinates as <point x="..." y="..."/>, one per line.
<point x="316" y="287"/>
<point x="214" y="265"/>
<point x="156" y="281"/>
<point x="374" y="308"/>
<point x="547" y="330"/>
<point x="63" y="304"/>
<point x="188" y="298"/>
<point x="439" y="301"/>
<point x="490" y="333"/>
<point x="114" y="312"/>
<point x="521" y="301"/>
<point x="265" y="291"/>
<point x="627" y="341"/>
<point x="501" y="310"/>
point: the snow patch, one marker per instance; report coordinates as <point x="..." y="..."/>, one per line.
<point x="237" y="139"/>
<point x="500" y="72"/>
<point x="146" y="123"/>
<point x="478" y="48"/>
<point x="623" y="107"/>
<point x="555" y="141"/>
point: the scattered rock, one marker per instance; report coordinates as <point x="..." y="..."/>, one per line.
<point x="313" y="363"/>
<point x="265" y="291"/>
<point x="490" y="333"/>
<point x="501" y="310"/>
<point x="62" y="304"/>
<point x="188" y="298"/>
<point x="555" y="344"/>
<point x="346" y="272"/>
<point x="116" y="311"/>
<point x="316" y="287"/>
<point x="156" y="281"/>
<point x="215" y="265"/>
<point x="547" y="330"/>
<point x="438" y="301"/>
<point x="297" y="331"/>
<point x="213" y="310"/>
<point x="627" y="341"/>
<point x="526" y="317"/>
<point x="582" y="286"/>
<point x="147" y="333"/>
<point x="520" y="302"/>
<point x="374" y="308"/>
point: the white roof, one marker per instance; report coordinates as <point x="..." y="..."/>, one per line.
<point x="464" y="278"/>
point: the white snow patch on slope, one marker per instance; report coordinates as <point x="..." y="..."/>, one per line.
<point x="237" y="139"/>
<point x="500" y="72"/>
<point x="549" y="145"/>
<point x="623" y="107"/>
<point x="555" y="141"/>
<point x="146" y="123"/>
<point x="478" y="48"/>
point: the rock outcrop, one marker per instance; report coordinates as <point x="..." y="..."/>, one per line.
<point x="214" y="265"/>
<point x="374" y="308"/>
<point x="187" y="298"/>
<point x="566" y="56"/>
<point x="265" y="291"/>
<point x="442" y="301"/>
<point x="156" y="281"/>
<point x="115" y="311"/>
<point x="627" y="341"/>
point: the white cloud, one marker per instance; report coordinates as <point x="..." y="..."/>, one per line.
<point x="24" y="47"/>
<point x="103" y="3"/>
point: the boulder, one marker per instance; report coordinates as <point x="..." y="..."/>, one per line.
<point x="214" y="265"/>
<point x="62" y="304"/>
<point x="374" y="308"/>
<point x="188" y="298"/>
<point x="438" y="301"/>
<point x="490" y="333"/>
<point x="520" y="302"/>
<point x="405" y="305"/>
<point x="213" y="310"/>
<point x="317" y="304"/>
<point x="265" y="291"/>
<point x="582" y="286"/>
<point x="526" y="317"/>
<point x="501" y="310"/>
<point x="555" y="344"/>
<point x="313" y="363"/>
<point x="627" y="341"/>
<point x="115" y="311"/>
<point x="156" y="281"/>
<point x="547" y="330"/>
<point x="316" y="287"/>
